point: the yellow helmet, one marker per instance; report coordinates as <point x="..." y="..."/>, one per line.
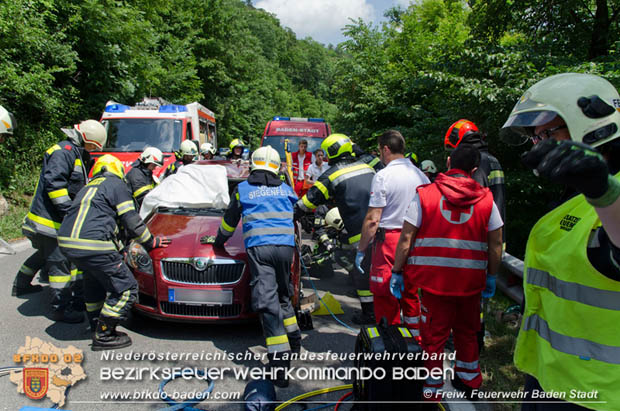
<point x="336" y="145"/>
<point x="266" y="158"/>
<point x="236" y="143"/>
<point x="110" y="164"/>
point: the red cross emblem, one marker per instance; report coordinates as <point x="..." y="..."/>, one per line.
<point x="454" y="214"/>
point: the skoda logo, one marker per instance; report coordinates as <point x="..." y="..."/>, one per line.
<point x="202" y="264"/>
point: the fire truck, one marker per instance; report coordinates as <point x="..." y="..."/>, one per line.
<point x="157" y="123"/>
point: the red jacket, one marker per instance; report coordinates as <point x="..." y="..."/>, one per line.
<point x="307" y="162"/>
<point x="450" y="256"/>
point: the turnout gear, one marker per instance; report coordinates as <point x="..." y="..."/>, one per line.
<point x="152" y="155"/>
<point x="140" y="181"/>
<point x="587" y="103"/>
<point x="7" y="121"/>
<point x="22" y="283"/>
<point x="372" y="161"/>
<point x="266" y="158"/>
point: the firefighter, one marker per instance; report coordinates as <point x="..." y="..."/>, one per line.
<point x="140" y="178"/>
<point x="413" y="157"/>
<point x="568" y="340"/>
<point x="236" y="149"/>
<point x="207" y="151"/>
<point x="370" y="159"/>
<point x="450" y="247"/>
<point x="347" y="184"/>
<point x="87" y="237"/>
<point x="391" y="193"/>
<point x="7" y="123"/>
<point x="186" y="155"/>
<point x="62" y="172"/>
<point x="265" y="206"/>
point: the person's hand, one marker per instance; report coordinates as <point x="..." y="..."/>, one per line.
<point x="571" y="163"/>
<point x="397" y="285"/>
<point x="489" y="291"/>
<point x="359" y="257"/>
<point x="160" y="242"/>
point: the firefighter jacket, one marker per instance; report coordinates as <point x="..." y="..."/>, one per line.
<point x="296" y="165"/>
<point x="140" y="181"/>
<point x="173" y="168"/>
<point x="568" y="338"/>
<point x="62" y="171"/>
<point x="265" y="206"/>
<point x="450" y="253"/>
<point x="92" y="223"/>
<point x="347" y="183"/>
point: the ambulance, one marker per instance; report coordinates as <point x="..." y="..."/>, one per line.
<point x="293" y="130"/>
<point x="157" y="123"/>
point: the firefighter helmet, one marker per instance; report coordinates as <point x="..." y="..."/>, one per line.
<point x="236" y="143"/>
<point x="333" y="219"/>
<point x="588" y="104"/>
<point x="336" y="145"/>
<point x="207" y="148"/>
<point x="152" y="155"/>
<point x="188" y="148"/>
<point x="458" y="132"/>
<point x="428" y="166"/>
<point x="7" y="121"/>
<point x="413" y="157"/>
<point x="266" y="158"/>
<point x="110" y="164"/>
<point x="92" y="132"/>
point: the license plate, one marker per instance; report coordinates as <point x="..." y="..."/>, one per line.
<point x="200" y="297"/>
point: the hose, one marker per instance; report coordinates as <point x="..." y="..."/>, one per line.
<point x="341" y="400"/>
<point x="185" y="406"/>
<point x="312" y="394"/>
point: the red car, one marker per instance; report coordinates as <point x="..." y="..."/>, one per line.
<point x="190" y="280"/>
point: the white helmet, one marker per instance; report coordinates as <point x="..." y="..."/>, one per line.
<point x="590" y="106"/>
<point x="7" y="121"/>
<point x="92" y="132"/>
<point x="333" y="219"/>
<point x="428" y="166"/>
<point x="266" y="158"/>
<point x="188" y="148"/>
<point x="207" y="148"/>
<point x="152" y="155"/>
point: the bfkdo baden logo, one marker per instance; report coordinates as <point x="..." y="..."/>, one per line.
<point x="48" y="371"/>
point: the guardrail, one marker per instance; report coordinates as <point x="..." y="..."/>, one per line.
<point x="511" y="266"/>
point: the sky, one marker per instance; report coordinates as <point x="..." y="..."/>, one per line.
<point x="323" y="19"/>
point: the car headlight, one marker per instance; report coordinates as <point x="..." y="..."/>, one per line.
<point x="139" y="259"/>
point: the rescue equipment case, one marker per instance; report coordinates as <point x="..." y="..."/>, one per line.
<point x="393" y="340"/>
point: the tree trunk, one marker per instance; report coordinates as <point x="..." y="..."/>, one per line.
<point x="600" y="31"/>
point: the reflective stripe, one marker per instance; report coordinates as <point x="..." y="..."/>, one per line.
<point x="305" y="204"/>
<point x="79" y="275"/>
<point x="467" y="376"/>
<point x="60" y="281"/>
<point x="448" y="262"/>
<point x="583" y="294"/>
<point x="366" y="299"/>
<point x="59" y="196"/>
<point x="579" y="347"/>
<point x="404" y="332"/>
<point x="376" y="279"/>
<point x="44" y="221"/>
<point x="83" y="244"/>
<point x="265" y="216"/>
<point x="114" y="311"/>
<point x="141" y="190"/>
<point x="144" y="236"/>
<point x="452" y="243"/>
<point x="345" y="173"/>
<point x="278" y="343"/>
<point x="321" y="187"/>
<point x="411" y="320"/>
<point x="278" y="348"/>
<point x="496" y="177"/>
<point x="362" y="293"/>
<point x="374" y="162"/>
<point x="415" y="332"/>
<point x="91" y="307"/>
<point x="269" y="231"/>
<point x="61" y="200"/>
<point x="84" y="207"/>
<point x="52" y="149"/>
<point x="473" y="365"/>
<point x="124" y="207"/>
<point x="355" y="238"/>
<point x="237" y="195"/>
<point x="26" y="270"/>
<point x="226" y="227"/>
<point x="290" y="321"/>
<point x="423" y="318"/>
<point x="77" y="163"/>
<point x="373" y="333"/>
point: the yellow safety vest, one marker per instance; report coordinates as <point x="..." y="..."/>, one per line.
<point x="570" y="335"/>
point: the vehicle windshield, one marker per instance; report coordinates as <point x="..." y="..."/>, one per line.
<point x="135" y="134"/>
<point x="277" y="142"/>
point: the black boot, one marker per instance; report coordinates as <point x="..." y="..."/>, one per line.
<point x="366" y="316"/>
<point x="67" y="315"/>
<point x="276" y="361"/>
<point x="458" y="384"/>
<point x="294" y="340"/>
<point x="107" y="338"/>
<point x="22" y="286"/>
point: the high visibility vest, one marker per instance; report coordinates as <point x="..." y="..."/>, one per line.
<point x="267" y="214"/>
<point x="569" y="338"/>
<point x="450" y="253"/>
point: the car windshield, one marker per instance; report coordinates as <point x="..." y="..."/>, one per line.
<point x="277" y="142"/>
<point x="135" y="134"/>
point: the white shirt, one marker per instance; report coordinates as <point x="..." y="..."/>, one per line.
<point x="393" y="188"/>
<point x="414" y="215"/>
<point x="314" y="172"/>
<point x="300" y="159"/>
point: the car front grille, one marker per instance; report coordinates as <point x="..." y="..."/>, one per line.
<point x="185" y="272"/>
<point x="223" y="311"/>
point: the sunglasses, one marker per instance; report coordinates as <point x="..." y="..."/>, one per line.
<point x="546" y="133"/>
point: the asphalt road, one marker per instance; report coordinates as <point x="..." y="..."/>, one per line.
<point x="27" y="316"/>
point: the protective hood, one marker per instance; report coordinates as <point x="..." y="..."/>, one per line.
<point x="459" y="188"/>
<point x="74" y="136"/>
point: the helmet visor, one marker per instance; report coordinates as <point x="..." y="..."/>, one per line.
<point x="520" y="127"/>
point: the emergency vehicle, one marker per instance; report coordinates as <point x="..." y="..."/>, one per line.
<point x="157" y="123"/>
<point x="295" y="129"/>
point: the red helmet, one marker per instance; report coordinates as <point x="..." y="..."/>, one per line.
<point x="458" y="132"/>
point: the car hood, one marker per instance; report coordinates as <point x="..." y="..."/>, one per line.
<point x="185" y="230"/>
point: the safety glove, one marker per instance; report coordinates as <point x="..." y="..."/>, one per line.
<point x="489" y="291"/>
<point x="571" y="163"/>
<point x="397" y="285"/>
<point x="160" y="241"/>
<point x="359" y="257"/>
